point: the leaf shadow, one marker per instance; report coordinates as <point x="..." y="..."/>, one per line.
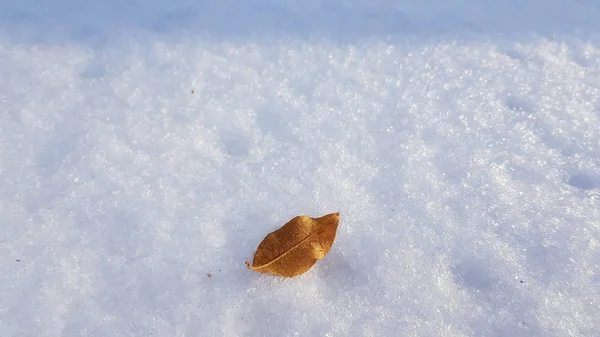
<point x="337" y="270"/>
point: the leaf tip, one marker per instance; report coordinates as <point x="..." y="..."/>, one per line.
<point x="335" y="215"/>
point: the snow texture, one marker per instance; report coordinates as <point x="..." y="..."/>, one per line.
<point x="146" y="148"/>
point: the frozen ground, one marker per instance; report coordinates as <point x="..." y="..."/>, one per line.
<point x="144" y="145"/>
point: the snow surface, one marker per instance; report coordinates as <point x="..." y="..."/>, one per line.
<point x="146" y="144"/>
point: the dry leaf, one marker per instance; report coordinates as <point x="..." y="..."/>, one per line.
<point x="294" y="248"/>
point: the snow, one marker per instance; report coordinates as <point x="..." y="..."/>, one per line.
<point x="144" y="146"/>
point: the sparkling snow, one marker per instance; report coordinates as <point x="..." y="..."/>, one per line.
<point x="144" y="147"/>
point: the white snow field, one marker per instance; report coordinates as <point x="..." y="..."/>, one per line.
<point x="147" y="144"/>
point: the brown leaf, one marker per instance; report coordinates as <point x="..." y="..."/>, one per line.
<point x="294" y="248"/>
